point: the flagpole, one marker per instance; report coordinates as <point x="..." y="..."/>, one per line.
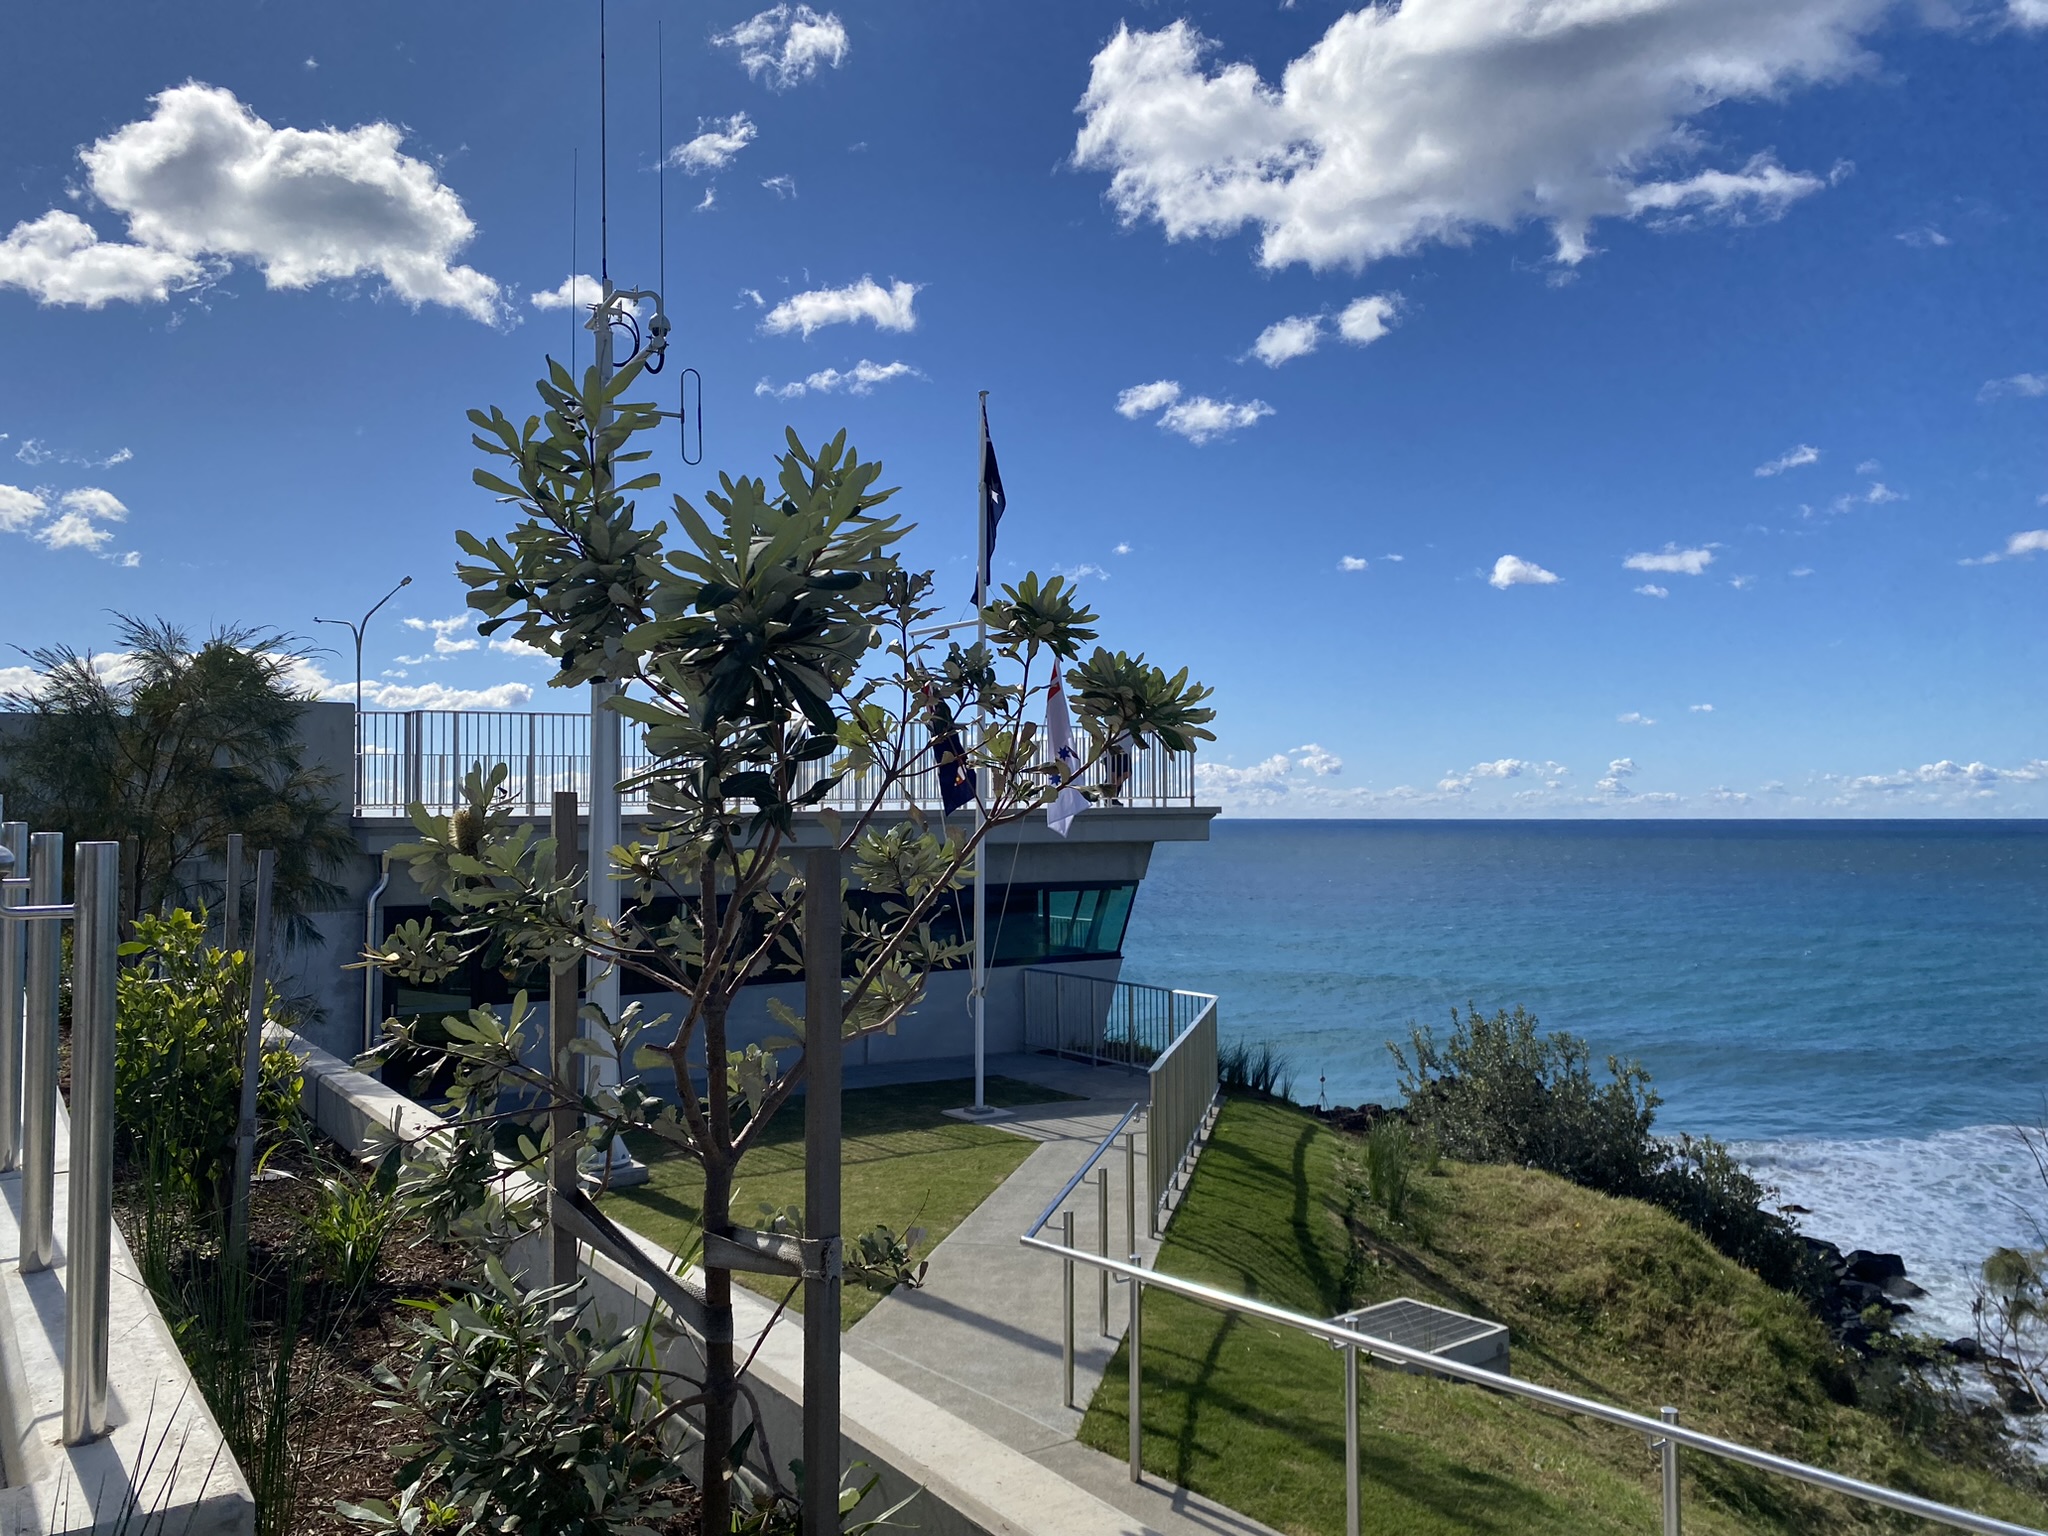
<point x="980" y="803"/>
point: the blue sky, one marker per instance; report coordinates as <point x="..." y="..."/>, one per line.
<point x="1473" y="392"/>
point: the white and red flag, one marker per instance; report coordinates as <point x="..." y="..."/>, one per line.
<point x="1059" y="735"/>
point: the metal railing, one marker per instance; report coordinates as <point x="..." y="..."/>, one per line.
<point x="1102" y="1021"/>
<point x="1183" y="1082"/>
<point x="30" y="958"/>
<point x="420" y="756"/>
<point x="1666" y="1436"/>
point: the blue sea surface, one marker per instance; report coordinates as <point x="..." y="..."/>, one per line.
<point x="1861" y="1006"/>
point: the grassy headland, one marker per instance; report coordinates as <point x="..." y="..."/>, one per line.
<point x="1604" y="1297"/>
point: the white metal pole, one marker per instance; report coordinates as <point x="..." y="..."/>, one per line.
<point x="981" y="801"/>
<point x="89" y="1229"/>
<point x="13" y="943"/>
<point x="39" y="1058"/>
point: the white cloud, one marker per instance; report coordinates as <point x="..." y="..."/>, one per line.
<point x="1436" y="119"/>
<point x="204" y="183"/>
<point x="1514" y="571"/>
<point x="2032" y="542"/>
<point x="889" y="308"/>
<point x="21" y="509"/>
<point x="1503" y="768"/>
<point x="860" y="379"/>
<point x="1082" y="571"/>
<point x="1869" y="467"/>
<point x="578" y="291"/>
<point x="1199" y="418"/>
<point x="1271" y="780"/>
<point x="1364" y="321"/>
<point x="512" y="645"/>
<point x="718" y="140"/>
<point x="1634" y="717"/>
<point x="1621" y="768"/>
<point x="2027" y="13"/>
<point x="17" y="679"/>
<point x="1122" y="548"/>
<point x="1397" y="559"/>
<point x="1943" y="776"/>
<point x="449" y="635"/>
<point x="784" y="186"/>
<point x="1792" y="458"/>
<point x="1803" y="570"/>
<point x="1651" y="589"/>
<point x="440" y="696"/>
<point x="1742" y="583"/>
<point x="787" y="43"/>
<point x="34" y="451"/>
<point x="706" y="203"/>
<point x="1142" y="399"/>
<point x="1353" y="563"/>
<point x="1318" y="760"/>
<point x="1672" y="562"/>
<point x="1701" y="709"/>
<point x="1876" y="495"/>
<point x="448" y="626"/>
<point x="1926" y="237"/>
<point x="2027" y="386"/>
<point x="1285" y="340"/>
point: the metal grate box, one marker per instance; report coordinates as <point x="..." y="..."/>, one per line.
<point x="1434" y="1330"/>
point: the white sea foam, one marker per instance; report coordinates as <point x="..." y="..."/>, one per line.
<point x="1941" y="1202"/>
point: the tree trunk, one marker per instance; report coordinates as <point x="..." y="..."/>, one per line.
<point x="716" y="1517"/>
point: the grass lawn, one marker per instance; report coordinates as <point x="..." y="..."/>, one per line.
<point x="906" y="1165"/>
<point x="1605" y="1298"/>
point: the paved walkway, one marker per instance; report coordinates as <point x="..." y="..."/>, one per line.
<point x="982" y="1337"/>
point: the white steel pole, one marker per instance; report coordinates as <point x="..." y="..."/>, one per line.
<point x="980" y="801"/>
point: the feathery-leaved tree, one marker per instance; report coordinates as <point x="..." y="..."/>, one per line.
<point x="769" y="648"/>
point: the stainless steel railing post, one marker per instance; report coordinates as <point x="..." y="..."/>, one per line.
<point x="1667" y="1450"/>
<point x="1067" y="1309"/>
<point x="1137" y="1353"/>
<point x="96" y="937"/>
<point x="1102" y="1205"/>
<point x="1130" y="1191"/>
<point x="14" y="837"/>
<point x="39" y="1058"/>
<point x="1350" y="1440"/>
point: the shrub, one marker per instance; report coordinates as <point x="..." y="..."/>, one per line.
<point x="179" y="1028"/>
<point x="1497" y="1091"/>
<point x="534" y="1422"/>
<point x="1389" y="1165"/>
<point x="1256" y="1069"/>
<point x="348" y="1223"/>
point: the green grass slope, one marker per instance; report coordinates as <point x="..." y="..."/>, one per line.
<point x="1605" y="1298"/>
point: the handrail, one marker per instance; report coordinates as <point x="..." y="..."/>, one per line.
<point x="1338" y="1335"/>
<point x="1074" y="1183"/>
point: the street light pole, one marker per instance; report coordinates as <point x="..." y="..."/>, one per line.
<point x="357" y="629"/>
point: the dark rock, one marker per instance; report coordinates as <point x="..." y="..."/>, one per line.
<point x="1794" y="1210"/>
<point x="1902" y="1289"/>
<point x="1823" y="1250"/>
<point x="1861" y="1296"/>
<point x="1872" y="1268"/>
<point x="1964" y="1349"/>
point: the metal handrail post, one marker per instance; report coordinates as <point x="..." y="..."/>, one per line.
<point x="1102" y="1203"/>
<point x="1137" y="1352"/>
<point x="1667" y="1452"/>
<point x="39" y="1059"/>
<point x="1130" y="1191"/>
<point x="1350" y="1440"/>
<point x="1067" y="1311"/>
<point x="13" y="837"/>
<point x="90" y="1225"/>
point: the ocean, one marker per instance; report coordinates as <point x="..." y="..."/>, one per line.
<point x="1861" y="1008"/>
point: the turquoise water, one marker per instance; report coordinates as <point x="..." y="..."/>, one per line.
<point x="1861" y="1006"/>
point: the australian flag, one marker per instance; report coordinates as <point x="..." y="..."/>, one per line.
<point x="991" y="509"/>
<point x="956" y="779"/>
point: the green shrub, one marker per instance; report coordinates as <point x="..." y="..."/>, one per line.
<point x="1497" y="1091"/>
<point x="534" y="1422"/>
<point x="1256" y="1069"/>
<point x="348" y="1223"/>
<point x="1389" y="1165"/>
<point x="179" y="1029"/>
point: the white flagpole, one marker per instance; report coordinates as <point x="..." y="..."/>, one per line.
<point x="981" y="809"/>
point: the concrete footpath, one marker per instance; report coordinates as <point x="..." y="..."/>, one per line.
<point x="981" y="1338"/>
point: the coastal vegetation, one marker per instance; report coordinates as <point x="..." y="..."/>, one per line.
<point x="167" y="746"/>
<point x="1603" y="1296"/>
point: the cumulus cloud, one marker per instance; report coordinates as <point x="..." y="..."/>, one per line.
<point x="1945" y="776"/>
<point x="1925" y="237"/>
<point x="1501" y="768"/>
<point x="860" y="379"/>
<point x="1651" y="589"/>
<point x="1143" y="399"/>
<point x="2027" y="13"/>
<point x="786" y="44"/>
<point x="1431" y="121"/>
<point x="888" y="308"/>
<point x="204" y="183"/>
<point x="440" y="696"/>
<point x="783" y="186"/>
<point x="1285" y="340"/>
<point x="1792" y="458"/>
<point x="1123" y="548"/>
<point x="512" y="645"/>
<point x="1514" y="571"/>
<point x="2025" y="386"/>
<point x="1270" y="780"/>
<point x="450" y="637"/>
<point x="1361" y="322"/>
<point x="1875" y="495"/>
<point x="21" y="510"/>
<point x="1618" y="770"/>
<point x="1353" y="563"/>
<point x="578" y="291"/>
<point x="1672" y="562"/>
<point x="1633" y="717"/>
<point x="718" y="140"/>
<point x="2032" y="542"/>
<point x="1199" y="418"/>
<point x="1701" y="709"/>
<point x="77" y="519"/>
